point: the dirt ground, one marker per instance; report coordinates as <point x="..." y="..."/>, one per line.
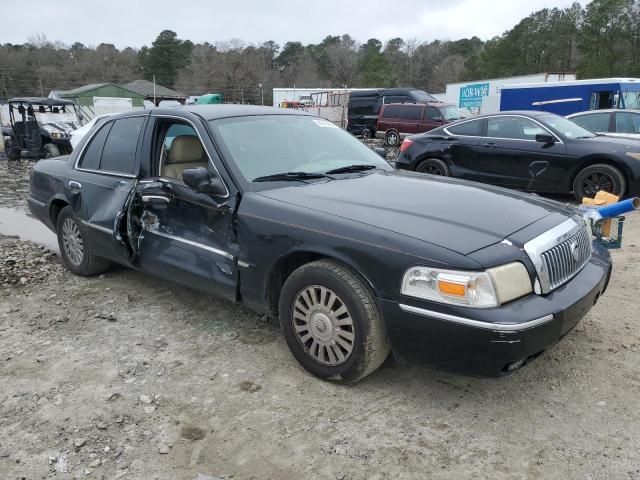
<point x="126" y="376"/>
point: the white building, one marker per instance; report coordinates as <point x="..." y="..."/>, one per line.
<point x="483" y="96"/>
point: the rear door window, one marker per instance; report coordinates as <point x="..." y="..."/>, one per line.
<point x="471" y="128"/>
<point x="91" y="157"/>
<point x="411" y="113"/>
<point x="119" y="153"/>
<point x="595" y="122"/>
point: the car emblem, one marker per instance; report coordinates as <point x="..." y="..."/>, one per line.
<point x="574" y="251"/>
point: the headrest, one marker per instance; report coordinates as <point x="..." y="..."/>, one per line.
<point x="184" y="149"/>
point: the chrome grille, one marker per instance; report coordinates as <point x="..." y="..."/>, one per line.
<point x="565" y="260"/>
<point x="560" y="253"/>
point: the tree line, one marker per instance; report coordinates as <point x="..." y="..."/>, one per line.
<point x="601" y="39"/>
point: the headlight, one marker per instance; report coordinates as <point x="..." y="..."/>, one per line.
<point x="55" y="135"/>
<point x="486" y="289"/>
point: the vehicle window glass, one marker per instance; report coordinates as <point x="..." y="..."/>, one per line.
<point x="411" y="113"/>
<point x="433" y="114"/>
<point x="362" y="107"/>
<point x="596" y="122"/>
<point x="391" y="112"/>
<point x="516" y="128"/>
<point x="395" y="99"/>
<point x="627" y="122"/>
<point x="91" y="156"/>
<point x="271" y="144"/>
<point x="565" y="127"/>
<point x="119" y="151"/>
<point x="472" y="128"/>
<point x="421" y="96"/>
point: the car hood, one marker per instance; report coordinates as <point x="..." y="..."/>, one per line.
<point x="455" y="214"/>
<point x="623" y="144"/>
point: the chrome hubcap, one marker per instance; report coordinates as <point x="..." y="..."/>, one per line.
<point x="323" y="325"/>
<point x="72" y="242"/>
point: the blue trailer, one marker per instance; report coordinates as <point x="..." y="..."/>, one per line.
<point x="565" y="98"/>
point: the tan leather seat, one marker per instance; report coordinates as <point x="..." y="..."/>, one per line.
<point x="185" y="152"/>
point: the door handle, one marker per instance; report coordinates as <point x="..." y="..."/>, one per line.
<point x="154" y="198"/>
<point x="489" y="144"/>
<point x="73" y="185"/>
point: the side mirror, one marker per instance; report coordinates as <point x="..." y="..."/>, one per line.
<point x="545" y="138"/>
<point x="380" y="151"/>
<point x="199" y="180"/>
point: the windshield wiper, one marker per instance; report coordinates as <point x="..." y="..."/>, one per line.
<point x="351" y="168"/>
<point x="289" y="176"/>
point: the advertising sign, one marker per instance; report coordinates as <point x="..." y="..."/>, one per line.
<point x="471" y="96"/>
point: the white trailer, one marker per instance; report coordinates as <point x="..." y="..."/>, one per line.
<point x="483" y="96"/>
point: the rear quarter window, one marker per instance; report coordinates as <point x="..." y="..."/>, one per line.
<point x="471" y="128"/>
<point x="91" y="156"/>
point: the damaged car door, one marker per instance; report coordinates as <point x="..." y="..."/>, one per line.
<point x="178" y="231"/>
<point x="106" y="173"/>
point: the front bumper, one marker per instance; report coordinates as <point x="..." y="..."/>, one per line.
<point x="497" y="341"/>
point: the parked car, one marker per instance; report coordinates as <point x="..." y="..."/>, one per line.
<point x="396" y="121"/>
<point x="284" y="212"/>
<point x="534" y="151"/>
<point x="613" y="123"/>
<point x="39" y="127"/>
<point x="78" y="134"/>
<point x="364" y="106"/>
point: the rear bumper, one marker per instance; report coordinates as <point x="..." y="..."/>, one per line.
<point x="493" y="342"/>
<point x="40" y="210"/>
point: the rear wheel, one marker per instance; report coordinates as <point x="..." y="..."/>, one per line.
<point x="331" y="323"/>
<point x="392" y="138"/>
<point x="75" y="249"/>
<point x="365" y="134"/>
<point x="51" y="150"/>
<point x="594" y="178"/>
<point x="433" y="166"/>
<point x="11" y="149"/>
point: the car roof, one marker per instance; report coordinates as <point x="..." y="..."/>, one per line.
<point x="224" y="110"/>
<point x="604" y="110"/>
<point x="421" y="104"/>
<point x="50" y="102"/>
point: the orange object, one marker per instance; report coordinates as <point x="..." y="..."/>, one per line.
<point x="451" y="288"/>
<point x="602" y="198"/>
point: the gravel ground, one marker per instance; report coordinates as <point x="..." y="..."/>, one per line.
<point x="125" y="376"/>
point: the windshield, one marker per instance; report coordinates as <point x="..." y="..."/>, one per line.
<point x="421" y="96"/>
<point x="273" y="144"/>
<point x="566" y="128"/>
<point x="452" y="113"/>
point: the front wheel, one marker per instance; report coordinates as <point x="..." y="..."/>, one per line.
<point x="331" y="323"/>
<point x="392" y="138"/>
<point x="75" y="249"/>
<point x="51" y="150"/>
<point x="594" y="178"/>
<point x="365" y="134"/>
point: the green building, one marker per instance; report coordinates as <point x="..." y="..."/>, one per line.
<point x="103" y="95"/>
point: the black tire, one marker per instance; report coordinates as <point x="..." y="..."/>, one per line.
<point x="598" y="177"/>
<point x="13" y="152"/>
<point x="365" y="134"/>
<point x="433" y="166"/>
<point x="50" y="150"/>
<point x="370" y="346"/>
<point x="392" y="138"/>
<point x="89" y="263"/>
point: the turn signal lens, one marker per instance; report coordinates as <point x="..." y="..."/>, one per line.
<point x="406" y="143"/>
<point x="450" y="288"/>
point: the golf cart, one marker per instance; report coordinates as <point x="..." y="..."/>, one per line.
<point x="39" y="127"/>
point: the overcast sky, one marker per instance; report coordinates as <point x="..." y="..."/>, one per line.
<point x="137" y="22"/>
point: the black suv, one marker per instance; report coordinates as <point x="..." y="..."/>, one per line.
<point x="364" y="106"/>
